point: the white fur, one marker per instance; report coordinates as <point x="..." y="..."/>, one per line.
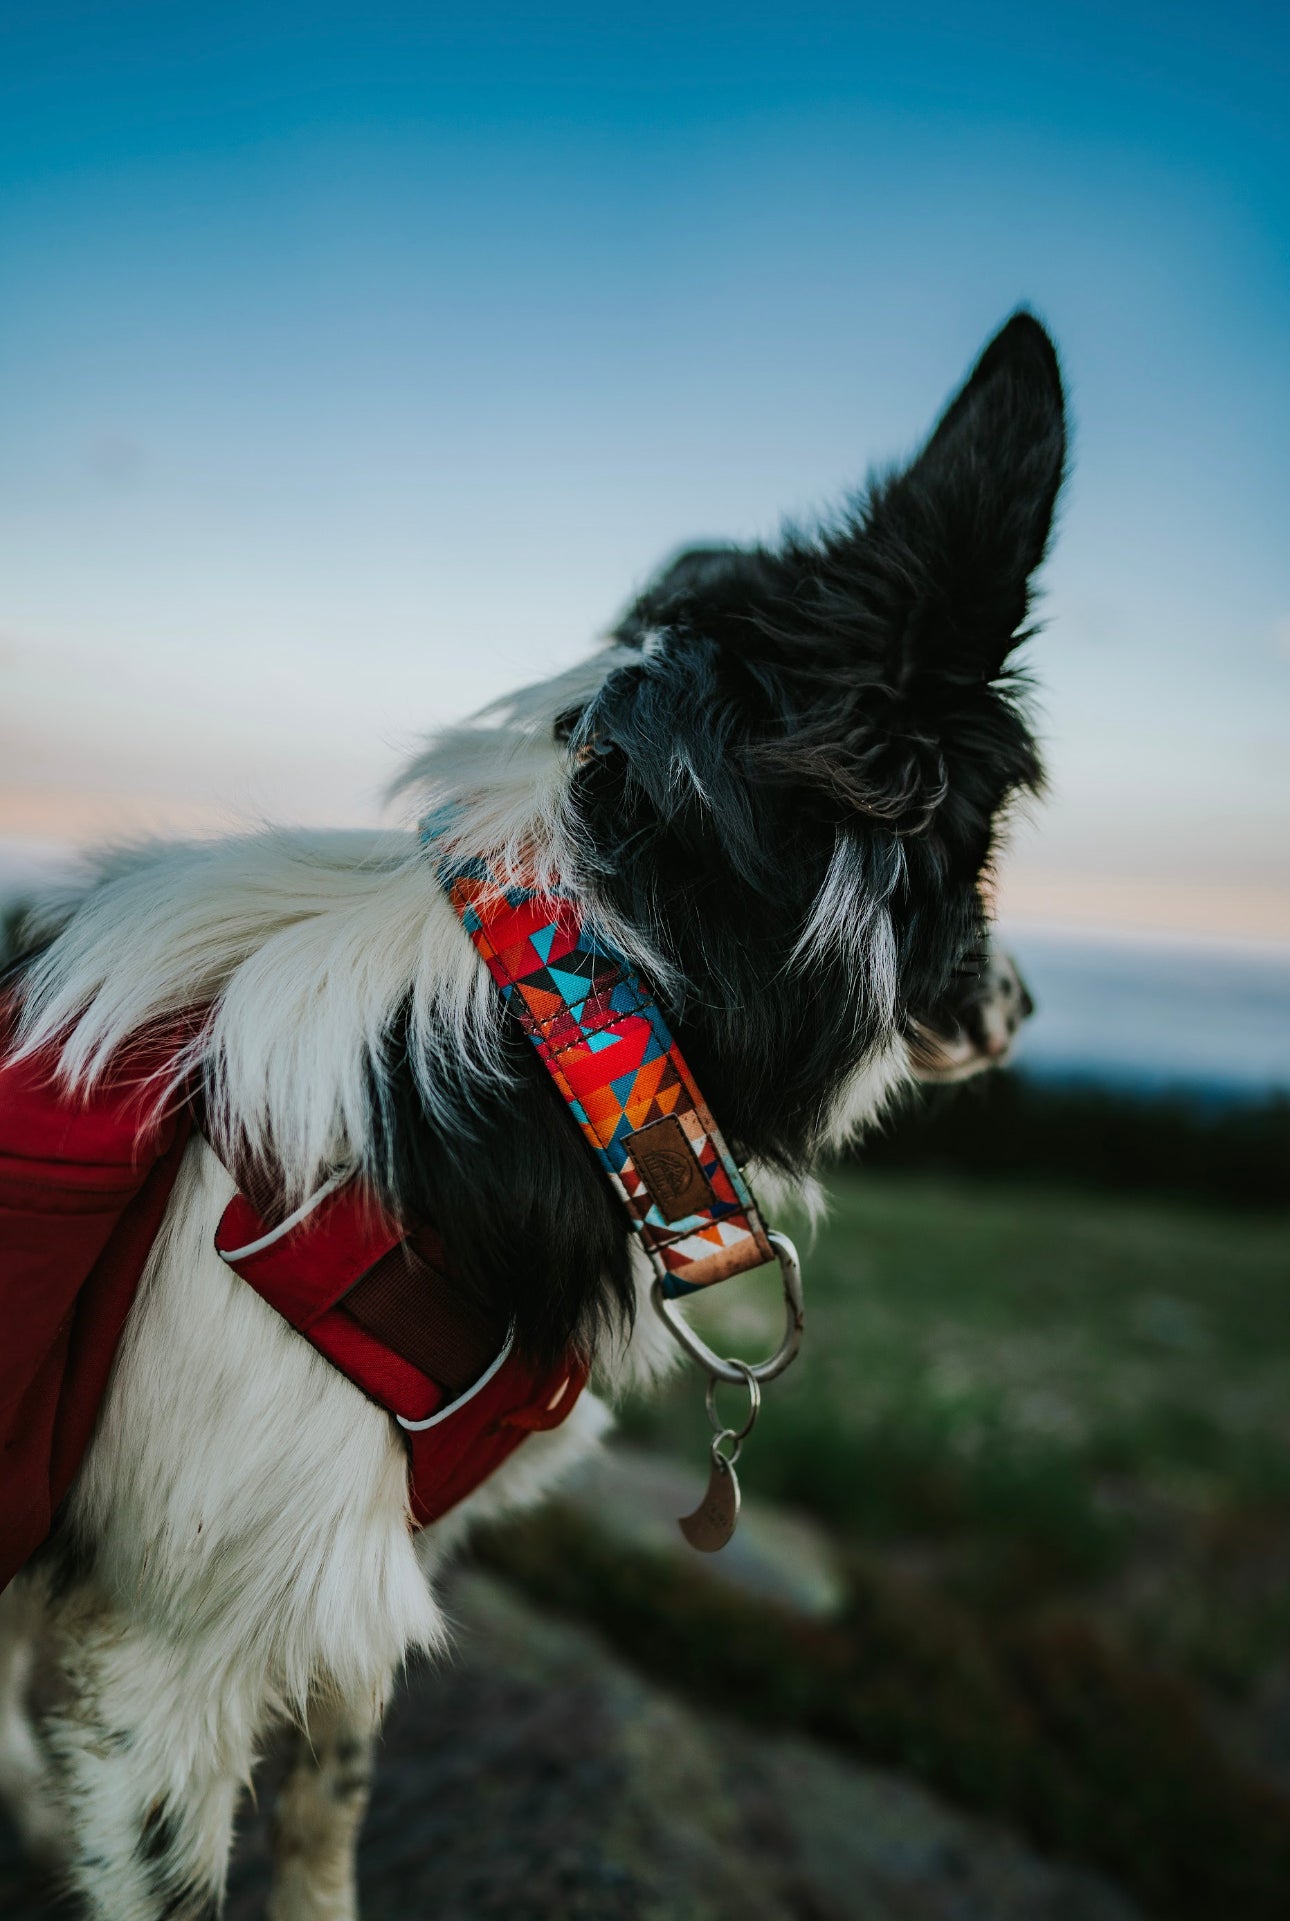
<point x="851" y="915"/>
<point x="1000" y="1005"/>
<point x="247" y="1506"/>
<point x="211" y="1513"/>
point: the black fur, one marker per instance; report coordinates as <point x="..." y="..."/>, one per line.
<point x="158" y="1835"/>
<point x="850" y="689"/>
<point x="533" y="1233"/>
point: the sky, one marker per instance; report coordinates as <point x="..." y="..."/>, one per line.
<point x="357" y="364"/>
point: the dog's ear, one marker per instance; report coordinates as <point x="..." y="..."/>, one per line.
<point x="890" y="628"/>
<point x="927" y="579"/>
<point x="864" y="655"/>
<point x="950" y="542"/>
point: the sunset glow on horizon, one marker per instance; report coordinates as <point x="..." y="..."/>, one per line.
<point x="355" y="368"/>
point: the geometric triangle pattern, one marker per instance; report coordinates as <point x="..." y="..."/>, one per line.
<point x="604" y="1041"/>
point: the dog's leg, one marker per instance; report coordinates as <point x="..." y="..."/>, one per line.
<point x="319" y="1812"/>
<point x="25" y="1783"/>
<point x="149" y="1767"/>
<point x="242" y="1515"/>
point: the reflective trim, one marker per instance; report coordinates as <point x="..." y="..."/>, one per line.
<point x="419" y="1427"/>
<point x="306" y="1208"/>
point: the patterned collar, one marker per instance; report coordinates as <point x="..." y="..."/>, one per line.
<point x="606" y="1044"/>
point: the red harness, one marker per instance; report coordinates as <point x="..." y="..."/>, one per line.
<point x="83" y="1187"/>
<point x="84" y="1183"/>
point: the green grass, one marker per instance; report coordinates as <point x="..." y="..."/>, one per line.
<point x="1043" y="1374"/>
<point x="1050" y="1433"/>
<point x="1038" y="1398"/>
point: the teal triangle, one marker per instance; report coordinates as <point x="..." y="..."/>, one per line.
<point x="542" y="940"/>
<point x="623" y="1087"/>
<point x="599" y="1042"/>
<point x="574" y="987"/>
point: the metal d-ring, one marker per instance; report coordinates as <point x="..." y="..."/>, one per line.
<point x="738" y="1373"/>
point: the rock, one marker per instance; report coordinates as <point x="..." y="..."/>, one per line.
<point x="776" y="1553"/>
<point x="537" y="1777"/>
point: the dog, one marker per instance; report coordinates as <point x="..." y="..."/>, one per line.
<point x="777" y="787"/>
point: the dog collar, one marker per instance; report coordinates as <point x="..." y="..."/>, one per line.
<point x="606" y="1044"/>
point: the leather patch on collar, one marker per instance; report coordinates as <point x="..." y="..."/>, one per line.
<point x="669" y="1167"/>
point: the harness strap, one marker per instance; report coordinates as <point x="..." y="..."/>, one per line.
<point x="381" y="1307"/>
<point x="408" y="1302"/>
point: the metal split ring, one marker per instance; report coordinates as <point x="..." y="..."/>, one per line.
<point x="753" y="1385"/>
<point x="745" y="1373"/>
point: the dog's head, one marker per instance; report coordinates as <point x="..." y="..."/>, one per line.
<point x="792" y="776"/>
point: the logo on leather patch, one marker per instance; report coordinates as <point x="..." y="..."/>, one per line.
<point x="669" y="1167"/>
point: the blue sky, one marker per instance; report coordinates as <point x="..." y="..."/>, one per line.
<point x="354" y="364"/>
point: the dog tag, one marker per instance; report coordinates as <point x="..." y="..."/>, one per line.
<point x="713" y="1521"/>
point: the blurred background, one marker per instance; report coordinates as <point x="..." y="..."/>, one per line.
<point x="357" y="363"/>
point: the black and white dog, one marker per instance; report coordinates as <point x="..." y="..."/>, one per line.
<point x="777" y="787"/>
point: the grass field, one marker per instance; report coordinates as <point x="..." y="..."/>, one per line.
<point x="1038" y="1393"/>
<point x="1049" y="1433"/>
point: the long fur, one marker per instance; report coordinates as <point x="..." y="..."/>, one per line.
<point x="776" y="787"/>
